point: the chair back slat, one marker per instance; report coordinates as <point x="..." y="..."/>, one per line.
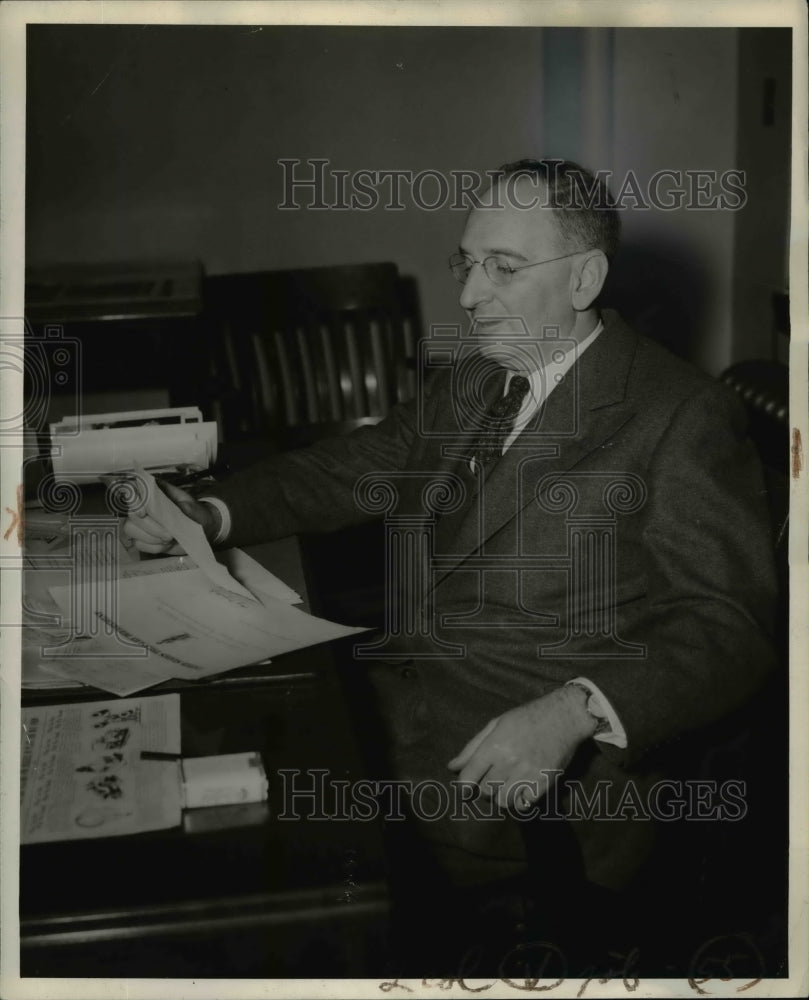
<point x="232" y="368"/>
<point x="267" y="386"/>
<point x="310" y="410"/>
<point x="332" y="401"/>
<point x="406" y="374"/>
<point x="358" y="401"/>
<point x="381" y="364"/>
<point x="288" y="383"/>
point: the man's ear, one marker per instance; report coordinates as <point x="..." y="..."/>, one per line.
<point x="587" y="279"/>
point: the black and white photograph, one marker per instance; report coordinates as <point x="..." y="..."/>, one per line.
<point x="404" y="509"/>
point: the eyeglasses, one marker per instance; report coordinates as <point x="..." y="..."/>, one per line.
<point x="497" y="270"/>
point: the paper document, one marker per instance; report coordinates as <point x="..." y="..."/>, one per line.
<point x="189" y="535"/>
<point x="82" y="772"/>
<point x="184" y="625"/>
<point x="44" y="623"/>
<point x="44" y="531"/>
<point x="82" y="665"/>
<point x="37" y="676"/>
<point x="259" y="581"/>
<point x="85" y="661"/>
<point x="140" y="623"/>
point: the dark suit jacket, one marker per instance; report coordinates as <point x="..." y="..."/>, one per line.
<point x="638" y="468"/>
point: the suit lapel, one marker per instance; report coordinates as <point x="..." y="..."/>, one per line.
<point x="451" y="434"/>
<point x="580" y="414"/>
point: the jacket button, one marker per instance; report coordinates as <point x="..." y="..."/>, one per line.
<point x="408" y="672"/>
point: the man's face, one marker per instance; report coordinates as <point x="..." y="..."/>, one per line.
<point x="535" y="299"/>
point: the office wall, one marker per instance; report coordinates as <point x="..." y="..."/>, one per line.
<point x="675" y="109"/>
<point x="149" y="142"/>
<point x="693" y="99"/>
<point x="152" y="143"/>
<point x="636" y="102"/>
<point x="760" y="260"/>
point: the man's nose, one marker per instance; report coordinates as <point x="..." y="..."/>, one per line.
<point x="477" y="289"/>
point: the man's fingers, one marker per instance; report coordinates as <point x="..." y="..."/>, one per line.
<point x="522" y="793"/>
<point x="147" y="532"/>
<point x="525" y="792"/>
<point x="154" y="528"/>
<point x="131" y="530"/>
<point x="152" y="550"/>
<point x="200" y="513"/>
<point x="146" y="541"/>
<point x="461" y="759"/>
<point x="176" y="494"/>
<point x="158" y="548"/>
<point x="146" y="529"/>
<point x="477" y="778"/>
<point x="495" y="784"/>
<point x="473" y="771"/>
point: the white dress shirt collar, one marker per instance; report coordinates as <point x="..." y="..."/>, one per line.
<point x="557" y="361"/>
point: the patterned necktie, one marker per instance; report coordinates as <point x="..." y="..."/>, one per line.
<point x="499" y="423"/>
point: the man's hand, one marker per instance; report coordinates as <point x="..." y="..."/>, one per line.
<point x="150" y="536"/>
<point x="522" y="744"/>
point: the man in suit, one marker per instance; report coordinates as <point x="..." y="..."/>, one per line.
<point x="597" y="576"/>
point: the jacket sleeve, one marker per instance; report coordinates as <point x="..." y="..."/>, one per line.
<point x="711" y="581"/>
<point x="313" y="489"/>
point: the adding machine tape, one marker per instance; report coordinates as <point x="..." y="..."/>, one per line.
<point x="85" y="448"/>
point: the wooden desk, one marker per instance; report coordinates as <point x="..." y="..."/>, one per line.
<point x="259" y="897"/>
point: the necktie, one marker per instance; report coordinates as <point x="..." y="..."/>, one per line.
<point x="499" y="423"/>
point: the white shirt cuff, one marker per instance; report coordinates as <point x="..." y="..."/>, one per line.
<point x="224" y="513"/>
<point x="615" y="733"/>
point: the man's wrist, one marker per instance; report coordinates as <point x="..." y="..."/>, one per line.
<point x="216" y="527"/>
<point x="607" y="726"/>
<point x="215" y="521"/>
<point x="577" y="699"/>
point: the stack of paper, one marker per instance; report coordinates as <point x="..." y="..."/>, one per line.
<point x="183" y="616"/>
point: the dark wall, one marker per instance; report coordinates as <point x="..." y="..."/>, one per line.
<point x="163" y="142"/>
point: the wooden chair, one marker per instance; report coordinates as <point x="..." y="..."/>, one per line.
<point x="295" y="356"/>
<point x="763" y="387"/>
<point x="308" y="353"/>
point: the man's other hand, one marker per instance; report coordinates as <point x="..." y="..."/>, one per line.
<point x="150" y="536"/>
<point x="523" y="744"/>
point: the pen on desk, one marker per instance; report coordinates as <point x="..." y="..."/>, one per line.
<point x="158" y="755"/>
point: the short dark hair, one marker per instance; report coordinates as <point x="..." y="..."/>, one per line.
<point x="580" y="201"/>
